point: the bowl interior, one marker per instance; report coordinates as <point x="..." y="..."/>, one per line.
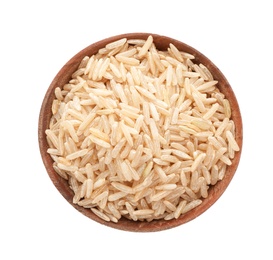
<point x="162" y="43"/>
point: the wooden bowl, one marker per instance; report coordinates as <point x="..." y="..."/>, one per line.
<point x="162" y="43"/>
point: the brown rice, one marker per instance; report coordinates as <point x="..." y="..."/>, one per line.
<point x="140" y="133"/>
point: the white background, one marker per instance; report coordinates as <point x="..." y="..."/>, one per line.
<point x="39" y="37"/>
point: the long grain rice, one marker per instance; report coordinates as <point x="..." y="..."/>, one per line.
<point x="141" y="133"/>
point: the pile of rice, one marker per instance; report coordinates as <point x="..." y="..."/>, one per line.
<point x="140" y="133"/>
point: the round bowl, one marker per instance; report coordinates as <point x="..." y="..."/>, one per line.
<point x="162" y="43"/>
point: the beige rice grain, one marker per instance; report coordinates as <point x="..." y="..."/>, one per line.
<point x="232" y="141"/>
<point x="160" y="195"/>
<point x="117" y="196"/>
<point x="211" y="111"/>
<point x="145" y="47"/>
<point x="77" y="154"/>
<point x="99" y="141"/>
<point x="179" y="209"/>
<point x="143" y="212"/>
<point x="191" y="205"/>
<point x="130" y="210"/>
<point x="98" y="183"/>
<point x="100" y="214"/>
<point x="100" y="197"/>
<point x="122" y="187"/>
<point x="115" y="44"/>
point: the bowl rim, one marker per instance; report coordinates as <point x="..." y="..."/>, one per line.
<point x="162" y="42"/>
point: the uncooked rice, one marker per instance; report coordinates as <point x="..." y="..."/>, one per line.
<point x="140" y="133"/>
